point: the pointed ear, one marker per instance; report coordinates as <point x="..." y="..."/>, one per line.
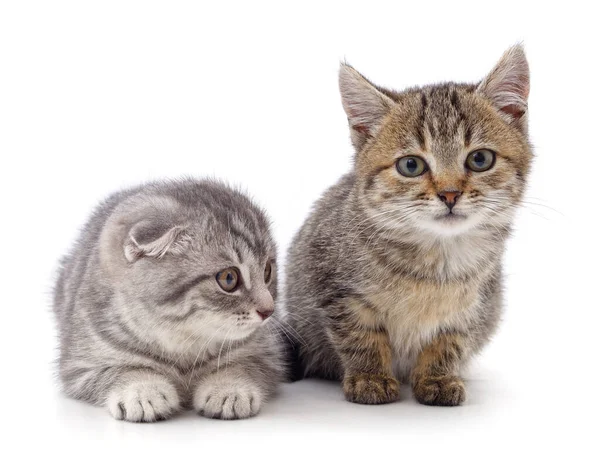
<point x="507" y="85"/>
<point x="365" y="105"/>
<point x="152" y="239"/>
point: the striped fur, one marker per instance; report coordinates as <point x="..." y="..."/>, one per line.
<point x="383" y="282"/>
<point x="144" y="327"/>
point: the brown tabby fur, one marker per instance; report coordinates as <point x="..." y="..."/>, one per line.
<point x="381" y="286"/>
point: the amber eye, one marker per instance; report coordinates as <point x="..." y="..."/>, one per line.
<point x="268" y="272"/>
<point x="229" y="279"/>
<point x="411" y="166"/>
<point x="480" y="160"/>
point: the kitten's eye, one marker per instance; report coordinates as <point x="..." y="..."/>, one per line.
<point x="268" y="272"/>
<point x="411" y="166"/>
<point x="229" y="279"/>
<point x="481" y="160"/>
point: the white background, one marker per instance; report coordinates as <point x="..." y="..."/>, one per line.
<point x="95" y="96"/>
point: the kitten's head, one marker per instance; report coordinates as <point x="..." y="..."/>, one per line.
<point x="442" y="159"/>
<point x="199" y="258"/>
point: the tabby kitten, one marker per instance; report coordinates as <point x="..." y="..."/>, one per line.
<point x="396" y="274"/>
<point x="162" y="303"/>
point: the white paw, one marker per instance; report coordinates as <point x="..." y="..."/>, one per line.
<point x="227" y="398"/>
<point x="146" y="397"/>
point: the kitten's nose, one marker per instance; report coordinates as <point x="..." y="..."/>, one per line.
<point x="449" y="197"/>
<point x="264" y="313"/>
<point x="264" y="303"/>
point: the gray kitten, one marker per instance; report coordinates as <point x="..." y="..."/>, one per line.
<point x="162" y="303"/>
<point x="396" y="274"/>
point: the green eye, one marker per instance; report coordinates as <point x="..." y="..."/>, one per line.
<point x="411" y="166"/>
<point x="481" y="160"/>
<point x="229" y="279"/>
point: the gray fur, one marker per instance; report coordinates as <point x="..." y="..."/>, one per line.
<point x="144" y="327"/>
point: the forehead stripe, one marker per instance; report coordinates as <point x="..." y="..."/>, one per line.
<point x="420" y="131"/>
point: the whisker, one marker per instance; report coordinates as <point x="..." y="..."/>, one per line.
<point x="221" y="349"/>
<point x="291" y="330"/>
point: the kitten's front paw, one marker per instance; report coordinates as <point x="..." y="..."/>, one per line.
<point x="447" y="390"/>
<point x="227" y="399"/>
<point x="371" y="388"/>
<point x="145" y="398"/>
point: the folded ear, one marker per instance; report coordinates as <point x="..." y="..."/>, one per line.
<point x="152" y="238"/>
<point x="365" y="105"/>
<point x="507" y="85"/>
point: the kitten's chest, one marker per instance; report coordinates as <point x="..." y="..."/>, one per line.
<point x="419" y="304"/>
<point x="416" y="310"/>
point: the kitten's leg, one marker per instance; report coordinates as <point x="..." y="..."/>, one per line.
<point x="435" y="377"/>
<point x="363" y="345"/>
<point x="129" y="393"/>
<point x="233" y="392"/>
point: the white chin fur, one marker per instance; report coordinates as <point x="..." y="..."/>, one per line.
<point x="448" y="227"/>
<point x="240" y="332"/>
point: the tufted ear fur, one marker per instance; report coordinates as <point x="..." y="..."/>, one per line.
<point x="364" y="103"/>
<point x="152" y="238"/>
<point x="507" y="86"/>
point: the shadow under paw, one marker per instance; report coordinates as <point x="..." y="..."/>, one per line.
<point x="447" y="390"/>
<point x="371" y="388"/>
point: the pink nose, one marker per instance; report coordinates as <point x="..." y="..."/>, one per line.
<point x="264" y="313"/>
<point x="449" y="198"/>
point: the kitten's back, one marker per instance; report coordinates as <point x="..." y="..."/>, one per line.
<point x="74" y="265"/>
